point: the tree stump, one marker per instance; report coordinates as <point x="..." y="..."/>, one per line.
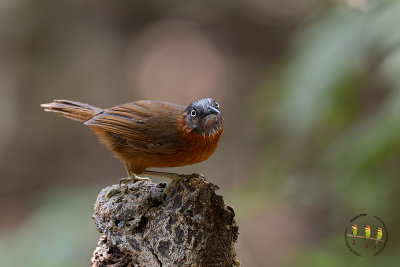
<point x="147" y="224"/>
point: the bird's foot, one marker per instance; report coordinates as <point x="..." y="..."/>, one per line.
<point x="173" y="176"/>
<point x="133" y="179"/>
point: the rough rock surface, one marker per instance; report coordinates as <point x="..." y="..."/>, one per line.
<point x="147" y="224"/>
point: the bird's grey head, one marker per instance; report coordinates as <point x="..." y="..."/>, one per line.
<point x="204" y="117"/>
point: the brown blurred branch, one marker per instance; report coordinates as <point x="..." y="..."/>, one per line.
<point x="146" y="224"/>
<point x="363" y="237"/>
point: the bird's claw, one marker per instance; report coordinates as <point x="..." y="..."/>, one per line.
<point x="133" y="179"/>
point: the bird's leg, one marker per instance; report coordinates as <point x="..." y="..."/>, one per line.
<point x="173" y="176"/>
<point x="132" y="176"/>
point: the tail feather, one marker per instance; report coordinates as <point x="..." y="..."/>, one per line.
<point x="72" y="109"/>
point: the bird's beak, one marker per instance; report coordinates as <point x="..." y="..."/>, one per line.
<point x="212" y="116"/>
<point x="212" y="110"/>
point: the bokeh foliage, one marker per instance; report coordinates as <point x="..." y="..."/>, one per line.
<point x="334" y="118"/>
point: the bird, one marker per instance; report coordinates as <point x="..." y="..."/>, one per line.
<point x="378" y="235"/>
<point x="367" y="230"/>
<point x="145" y="133"/>
<point x="354" y="228"/>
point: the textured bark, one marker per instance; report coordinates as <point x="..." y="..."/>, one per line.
<point x="146" y="224"/>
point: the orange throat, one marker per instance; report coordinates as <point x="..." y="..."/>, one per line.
<point x="197" y="147"/>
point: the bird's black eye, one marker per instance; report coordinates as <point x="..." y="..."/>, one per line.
<point x="193" y="113"/>
<point x="216" y="104"/>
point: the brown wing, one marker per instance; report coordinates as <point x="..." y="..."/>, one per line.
<point x="148" y="126"/>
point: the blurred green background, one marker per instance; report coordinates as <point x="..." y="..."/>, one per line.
<point x="310" y="92"/>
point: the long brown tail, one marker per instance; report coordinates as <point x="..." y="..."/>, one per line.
<point x="71" y="109"/>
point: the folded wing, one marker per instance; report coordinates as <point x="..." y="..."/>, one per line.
<point x="148" y="126"/>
